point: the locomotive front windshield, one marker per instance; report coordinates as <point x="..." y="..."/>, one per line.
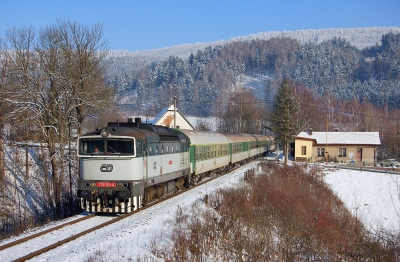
<point x="110" y="146"/>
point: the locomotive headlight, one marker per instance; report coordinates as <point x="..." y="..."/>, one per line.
<point x="87" y="184"/>
<point x="93" y="184"/>
<point x="124" y="185"/>
<point x="104" y="132"/>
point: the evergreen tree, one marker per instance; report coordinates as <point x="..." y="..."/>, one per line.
<point x="283" y="118"/>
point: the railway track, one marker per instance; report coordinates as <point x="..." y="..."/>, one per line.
<point x="16" y="244"/>
<point x="22" y="240"/>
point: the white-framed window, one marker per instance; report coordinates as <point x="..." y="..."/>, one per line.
<point x="320" y="151"/>
<point x="303" y="150"/>
<point x="342" y="152"/>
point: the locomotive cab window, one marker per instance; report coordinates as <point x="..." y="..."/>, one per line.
<point x="120" y="146"/>
<point x="91" y="146"/>
<point x="115" y="146"/>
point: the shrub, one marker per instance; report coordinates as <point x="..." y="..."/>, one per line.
<point x="286" y="213"/>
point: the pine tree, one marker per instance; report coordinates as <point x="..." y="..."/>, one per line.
<point x="283" y="118"/>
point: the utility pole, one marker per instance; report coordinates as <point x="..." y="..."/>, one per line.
<point x="326" y="140"/>
<point x="174" y="111"/>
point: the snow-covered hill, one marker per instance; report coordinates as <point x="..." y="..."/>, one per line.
<point x="359" y="37"/>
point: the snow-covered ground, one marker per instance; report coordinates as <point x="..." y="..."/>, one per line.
<point x="373" y="197"/>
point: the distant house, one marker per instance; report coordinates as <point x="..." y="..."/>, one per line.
<point x="166" y="118"/>
<point x="341" y="147"/>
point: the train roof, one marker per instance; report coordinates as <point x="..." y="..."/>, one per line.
<point x="264" y="137"/>
<point x="250" y="137"/>
<point x="163" y="133"/>
<point x="235" y="138"/>
<point x="204" y="137"/>
<point x="150" y="133"/>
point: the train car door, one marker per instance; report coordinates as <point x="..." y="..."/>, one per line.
<point x="193" y="157"/>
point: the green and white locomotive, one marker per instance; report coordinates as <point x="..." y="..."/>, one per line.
<point x="128" y="164"/>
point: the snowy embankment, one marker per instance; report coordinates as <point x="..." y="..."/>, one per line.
<point x="372" y="197"/>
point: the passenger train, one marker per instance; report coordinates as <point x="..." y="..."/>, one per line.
<point x="126" y="165"/>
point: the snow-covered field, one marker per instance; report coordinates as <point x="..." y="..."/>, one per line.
<point x="373" y="197"/>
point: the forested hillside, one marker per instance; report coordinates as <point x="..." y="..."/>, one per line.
<point x="338" y="61"/>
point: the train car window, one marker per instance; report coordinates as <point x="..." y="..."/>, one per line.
<point x="172" y="148"/>
<point x="150" y="150"/>
<point x="162" y="149"/>
<point x="167" y="149"/>
<point x="156" y="151"/>
<point x="199" y="153"/>
<point x="177" y="148"/>
<point x="139" y="148"/>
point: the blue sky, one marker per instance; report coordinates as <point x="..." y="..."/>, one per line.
<point x="152" y="24"/>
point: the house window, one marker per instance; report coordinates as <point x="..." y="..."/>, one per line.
<point x="303" y="150"/>
<point x="342" y="152"/>
<point x="320" y="151"/>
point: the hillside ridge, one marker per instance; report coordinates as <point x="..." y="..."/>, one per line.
<point x="359" y="37"/>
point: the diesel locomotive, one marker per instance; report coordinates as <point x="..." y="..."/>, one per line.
<point x="126" y="165"/>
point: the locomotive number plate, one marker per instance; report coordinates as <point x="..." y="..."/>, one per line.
<point x="106" y="184"/>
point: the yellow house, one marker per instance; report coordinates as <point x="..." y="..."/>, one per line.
<point x="339" y="147"/>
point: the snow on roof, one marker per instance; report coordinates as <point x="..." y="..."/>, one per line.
<point x="180" y="117"/>
<point x="351" y="138"/>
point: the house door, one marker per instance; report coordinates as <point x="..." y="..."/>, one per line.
<point x="359" y="154"/>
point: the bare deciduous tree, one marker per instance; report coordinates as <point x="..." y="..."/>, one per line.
<point x="57" y="81"/>
<point x="244" y="114"/>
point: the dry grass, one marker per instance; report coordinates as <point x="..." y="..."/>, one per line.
<point x="286" y="213"/>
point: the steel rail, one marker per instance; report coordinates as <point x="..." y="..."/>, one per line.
<point x="19" y="241"/>
<point x="61" y="242"/>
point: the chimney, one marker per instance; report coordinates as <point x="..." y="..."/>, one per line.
<point x="310" y="132"/>
<point x="138" y="120"/>
<point x="336" y="129"/>
<point x="129" y="120"/>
